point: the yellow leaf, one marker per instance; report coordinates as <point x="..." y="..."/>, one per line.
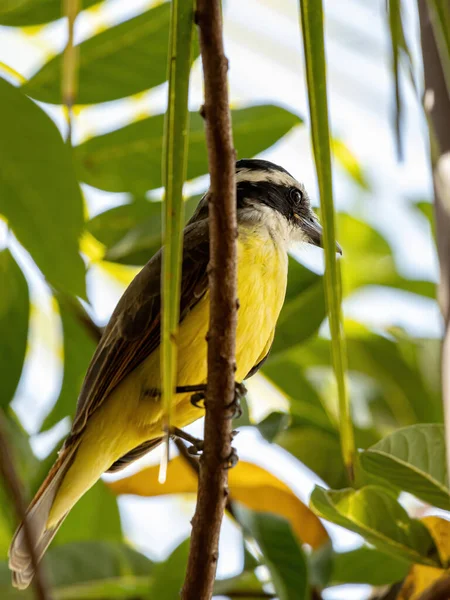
<point x="252" y="485"/>
<point x="418" y="580"/>
<point x="440" y="532"/>
<point x="419" y="577"/>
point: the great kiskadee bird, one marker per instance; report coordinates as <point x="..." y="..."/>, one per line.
<point x="119" y="416"/>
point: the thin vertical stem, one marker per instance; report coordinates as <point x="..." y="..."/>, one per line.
<point x="174" y="174"/>
<point x="314" y="48"/>
<point x="70" y="65"/>
<point x="213" y="479"/>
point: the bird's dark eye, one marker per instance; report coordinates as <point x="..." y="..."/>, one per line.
<point x="296" y="196"/>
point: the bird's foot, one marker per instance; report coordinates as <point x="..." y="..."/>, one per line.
<point x="232" y="460"/>
<point x="198" y="398"/>
<point x="196" y="444"/>
<point x="235" y="405"/>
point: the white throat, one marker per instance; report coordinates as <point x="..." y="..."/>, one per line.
<point x="265" y="221"/>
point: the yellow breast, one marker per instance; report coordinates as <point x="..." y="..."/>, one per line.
<point x="262" y="278"/>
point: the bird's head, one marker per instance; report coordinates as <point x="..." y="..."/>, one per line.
<point x="269" y="195"/>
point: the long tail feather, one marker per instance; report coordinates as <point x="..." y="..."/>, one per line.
<point x="20" y="561"/>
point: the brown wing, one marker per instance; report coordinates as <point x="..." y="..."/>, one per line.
<point x="133" y="331"/>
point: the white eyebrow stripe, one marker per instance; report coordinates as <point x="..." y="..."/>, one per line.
<point x="271" y="176"/>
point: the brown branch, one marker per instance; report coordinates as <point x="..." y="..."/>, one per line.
<point x="437" y="105"/>
<point x="440" y="590"/>
<point x="194" y="464"/>
<point x="14" y="487"/>
<point x="213" y="479"/>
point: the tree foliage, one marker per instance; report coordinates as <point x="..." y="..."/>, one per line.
<point x="392" y="377"/>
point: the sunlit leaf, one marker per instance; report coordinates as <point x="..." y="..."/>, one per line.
<point x="37" y="183"/>
<point x="413" y="459"/>
<point x="368" y="566"/>
<point x="14" y="315"/>
<point x="401" y="381"/>
<point x="426" y="209"/>
<point x="129" y="159"/>
<point x="118" y="62"/>
<point x="249" y="484"/>
<point x="376" y="515"/>
<point x="420" y="578"/>
<point x="369" y="260"/>
<point x="135" y="244"/>
<point x="281" y="552"/>
<point x="20" y="13"/>
<point x="417" y="581"/>
<point x="349" y="163"/>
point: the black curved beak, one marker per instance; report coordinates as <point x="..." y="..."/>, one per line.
<point x="314" y="231"/>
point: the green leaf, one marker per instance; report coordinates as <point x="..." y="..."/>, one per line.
<point x="370" y="261"/>
<point x="174" y="174"/>
<point x="414" y="460"/>
<point x="94" y="517"/>
<point x="272" y="425"/>
<point x="26" y="465"/>
<point x="282" y="553"/>
<point x="320" y="565"/>
<point x="118" y="62"/>
<point x="88" y="570"/>
<point x="426" y="209"/>
<point x="14" y="316"/>
<point x="240" y="586"/>
<point x="169" y="576"/>
<point x="349" y="163"/>
<point x="368" y="566"/>
<point x="317" y="449"/>
<point x="289" y="377"/>
<point x="132" y="232"/>
<point x="22" y="13"/>
<point x="399" y="378"/>
<point x="380" y="519"/>
<point x="140" y="243"/>
<point x="79" y="347"/>
<point x="39" y="193"/>
<point x="314" y="49"/>
<point x="304" y="296"/>
<point x="129" y="159"/>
